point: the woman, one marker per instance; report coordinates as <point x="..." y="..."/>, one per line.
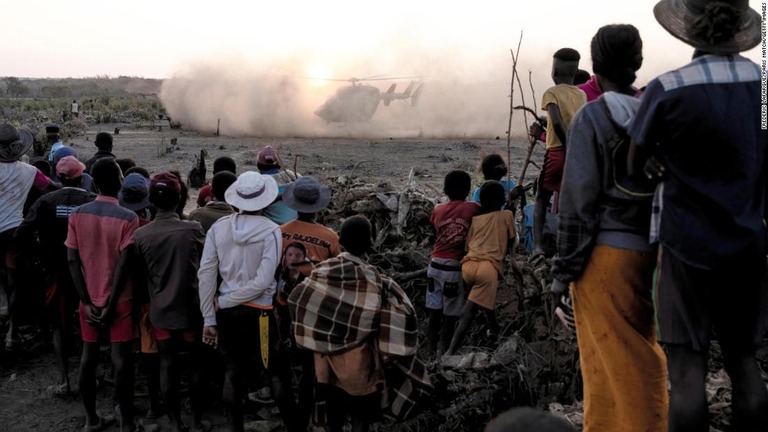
<point x="604" y="254"/>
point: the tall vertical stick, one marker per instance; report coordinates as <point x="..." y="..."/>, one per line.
<point x="511" y="107"/>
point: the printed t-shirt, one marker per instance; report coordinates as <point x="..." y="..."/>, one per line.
<point x="16" y="180"/>
<point x="704" y="121"/>
<point x="99" y="231"/>
<point x="568" y="99"/>
<point x="489" y="236"/>
<point x="321" y="243"/>
<point x="451" y="221"/>
<point x="170" y="250"/>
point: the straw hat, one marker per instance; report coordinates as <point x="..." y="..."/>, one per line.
<point x="14" y="143"/>
<point x="680" y="17"/>
<point x="252" y="191"/>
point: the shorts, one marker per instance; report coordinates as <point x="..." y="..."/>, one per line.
<point x="121" y="330"/>
<point x="445" y="286"/>
<point x="61" y="300"/>
<point x="147" y="334"/>
<point x="483" y="280"/>
<point x="239" y="330"/>
<point x="551" y="175"/>
<point x="692" y="302"/>
<point x="8" y="251"/>
<point x="187" y="335"/>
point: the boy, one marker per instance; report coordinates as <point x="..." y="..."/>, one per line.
<point x="493" y="167"/>
<point x="709" y="220"/>
<point x="561" y="103"/>
<point x="492" y="232"/>
<point x="216" y="208"/>
<point x="100" y="243"/>
<point x="445" y="295"/>
<point x="169" y="251"/>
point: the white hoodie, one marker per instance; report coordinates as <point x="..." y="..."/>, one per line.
<point x="245" y="251"/>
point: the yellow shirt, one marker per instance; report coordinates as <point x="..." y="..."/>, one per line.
<point x="568" y="99"/>
<point x="488" y="237"/>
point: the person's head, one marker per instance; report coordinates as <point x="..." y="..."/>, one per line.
<point x="268" y="159"/>
<point x="103" y="141"/>
<point x="355" y="235"/>
<point x="220" y="183"/>
<point x="252" y="192"/>
<point x="491" y="196"/>
<point x="134" y="194"/>
<point x="617" y="53"/>
<point x="581" y="77"/>
<point x="107" y="176"/>
<point x="307" y="196"/>
<point x="14" y="143"/>
<point x="294" y="253"/>
<point x="42" y="165"/>
<point x="224" y="163"/>
<point x="457" y="184"/>
<point x="165" y="191"/>
<point x="524" y="419"/>
<point x="183" y="193"/>
<point x="493" y="167"/>
<point x="69" y="170"/>
<point x="62" y="153"/>
<point x="52" y="133"/>
<point x="125" y="164"/>
<point x="138" y="170"/>
<point x="565" y="64"/>
<point x="711" y="26"/>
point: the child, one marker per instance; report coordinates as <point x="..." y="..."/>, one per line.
<point x="494" y="168"/>
<point x="288" y="277"/>
<point x="492" y="232"/>
<point x="561" y="103"/>
<point x="445" y="295"/>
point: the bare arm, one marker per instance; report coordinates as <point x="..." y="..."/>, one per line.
<point x="557" y="122"/>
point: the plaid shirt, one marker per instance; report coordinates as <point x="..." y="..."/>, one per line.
<point x="344" y="303"/>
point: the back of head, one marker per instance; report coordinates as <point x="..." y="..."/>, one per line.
<point x="268" y="159"/>
<point x="565" y="64"/>
<point x="457" y="185"/>
<point x="69" y="170"/>
<point x="165" y="191"/>
<point x="62" y="153"/>
<point x="581" y="77"/>
<point x="221" y="182"/>
<point x="224" y="163"/>
<point x="125" y="164"/>
<point x="107" y="176"/>
<point x="491" y="196"/>
<point x="103" y="141"/>
<point x="355" y="235"/>
<point x="42" y="165"/>
<point x="138" y="170"/>
<point x="617" y="53"/>
<point x="527" y="419"/>
<point x="493" y="167"/>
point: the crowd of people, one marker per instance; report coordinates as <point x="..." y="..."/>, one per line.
<point x="660" y="199"/>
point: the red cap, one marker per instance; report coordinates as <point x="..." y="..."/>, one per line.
<point x="164" y="182"/>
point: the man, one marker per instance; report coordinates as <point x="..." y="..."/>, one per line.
<point x="100" y="243"/>
<point x="216" y="208"/>
<point x="269" y="163"/>
<point x="244" y="251"/>
<point x="17" y="179"/>
<point x="561" y="103"/>
<point x="352" y="317"/>
<point x="53" y="135"/>
<point x="75" y="109"/>
<point x="709" y="220"/>
<point x="224" y="163"/>
<point x="103" y="143"/>
<point x="169" y="251"/>
<point x="48" y="220"/>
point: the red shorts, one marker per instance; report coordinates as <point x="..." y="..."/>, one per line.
<point x="121" y="330"/>
<point x="552" y="173"/>
<point x="188" y="335"/>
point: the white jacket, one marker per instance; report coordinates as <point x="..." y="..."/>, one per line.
<point x="245" y="251"/>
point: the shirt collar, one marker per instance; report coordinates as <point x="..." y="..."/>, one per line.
<point x="107" y="199"/>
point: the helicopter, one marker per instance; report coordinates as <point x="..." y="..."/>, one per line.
<point x="358" y="102"/>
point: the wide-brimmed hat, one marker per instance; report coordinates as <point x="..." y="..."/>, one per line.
<point x="252" y="191"/>
<point x="307" y="195"/>
<point x="679" y="16"/>
<point x="14" y="143"/>
<point x="134" y="195"/>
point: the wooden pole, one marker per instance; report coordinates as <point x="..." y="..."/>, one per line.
<point x="511" y="108"/>
<point x="218" y="123"/>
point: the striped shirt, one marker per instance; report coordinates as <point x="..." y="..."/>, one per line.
<point x="703" y="122"/>
<point x="99" y="231"/>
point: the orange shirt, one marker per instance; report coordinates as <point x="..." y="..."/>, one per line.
<point x="489" y="236"/>
<point x="321" y="243"/>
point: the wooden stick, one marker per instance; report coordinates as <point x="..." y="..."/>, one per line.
<point x="511" y="107"/>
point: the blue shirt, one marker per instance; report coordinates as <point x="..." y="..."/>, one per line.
<point x="703" y="122"/>
<point x="508" y="186"/>
<point x="278" y="212"/>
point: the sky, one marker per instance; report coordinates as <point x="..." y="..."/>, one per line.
<point x="460" y="50"/>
